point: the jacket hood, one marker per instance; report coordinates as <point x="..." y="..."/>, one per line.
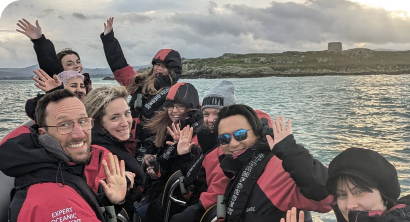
<point x="184" y="93"/>
<point x="22" y="153"/>
<point x="170" y="58"/>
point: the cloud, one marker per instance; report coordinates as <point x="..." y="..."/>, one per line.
<point x="202" y="28"/>
<point x="79" y="16"/>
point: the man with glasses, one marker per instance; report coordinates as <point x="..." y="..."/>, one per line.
<point x="48" y="165"/>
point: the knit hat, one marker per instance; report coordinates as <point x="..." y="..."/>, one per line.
<point x="221" y="95"/>
<point x="170" y="58"/>
<point x="64" y="76"/>
<point x="184" y="93"/>
<point x="367" y="165"/>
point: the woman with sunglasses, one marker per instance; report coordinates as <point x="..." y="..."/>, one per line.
<point x="181" y="110"/>
<point x="114" y="129"/>
<point x="268" y="173"/>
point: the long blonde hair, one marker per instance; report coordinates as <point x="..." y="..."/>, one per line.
<point x="98" y="99"/>
<point x="147" y="83"/>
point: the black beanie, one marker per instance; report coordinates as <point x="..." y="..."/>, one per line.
<point x="367" y="165"/>
<point x="184" y="93"/>
<point x="170" y="58"/>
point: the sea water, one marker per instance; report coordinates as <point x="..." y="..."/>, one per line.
<point x="328" y="113"/>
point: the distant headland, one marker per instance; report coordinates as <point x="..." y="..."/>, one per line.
<point x="333" y="61"/>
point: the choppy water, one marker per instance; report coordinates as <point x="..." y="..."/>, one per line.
<point x="329" y="113"/>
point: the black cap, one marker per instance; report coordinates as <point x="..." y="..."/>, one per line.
<point x="367" y="165"/>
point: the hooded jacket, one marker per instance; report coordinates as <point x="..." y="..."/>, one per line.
<point x="125" y="75"/>
<point x="46" y="187"/>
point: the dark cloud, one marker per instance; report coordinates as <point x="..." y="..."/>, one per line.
<point x="212" y="6"/>
<point x="315" y="21"/>
<point x="79" y="16"/>
<point x="136" y="18"/>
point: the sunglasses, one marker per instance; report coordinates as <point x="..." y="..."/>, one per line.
<point x="239" y="135"/>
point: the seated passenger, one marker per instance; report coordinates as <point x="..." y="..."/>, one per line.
<point x="114" y="129"/>
<point x="48" y="165"/>
<point x="206" y="170"/>
<point x="268" y="173"/>
<point x="365" y="187"/>
<point x="181" y="109"/>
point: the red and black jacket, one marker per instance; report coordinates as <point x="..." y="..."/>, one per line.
<point x="46" y="187"/>
<point x="291" y="178"/>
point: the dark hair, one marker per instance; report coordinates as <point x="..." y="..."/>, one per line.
<point x="55" y="96"/>
<point x="243" y="110"/>
<point x="66" y="51"/>
<point x="361" y="184"/>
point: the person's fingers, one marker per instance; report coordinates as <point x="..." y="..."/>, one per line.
<point x="117" y="165"/>
<point x="122" y="169"/>
<point x="37" y="24"/>
<point x="23" y="24"/>
<point x="282" y="123"/>
<point x="301" y="216"/>
<point x="106" y="170"/>
<point x="290" y="125"/>
<point x="282" y="219"/>
<point x="56" y="79"/>
<point x="277" y="124"/>
<point x="288" y="216"/>
<point x="18" y="30"/>
<point x="111" y="159"/>
<point x="39" y="82"/>
<point x="27" y="22"/>
<point x="22" y="27"/>
<point x="293" y="213"/>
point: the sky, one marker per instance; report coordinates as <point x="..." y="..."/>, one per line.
<point x="202" y="28"/>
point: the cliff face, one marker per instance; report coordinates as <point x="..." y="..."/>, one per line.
<point x="347" y="62"/>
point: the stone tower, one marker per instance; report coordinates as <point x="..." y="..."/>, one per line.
<point x="334" y="46"/>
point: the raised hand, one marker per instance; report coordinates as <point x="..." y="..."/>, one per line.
<point x="175" y="132"/>
<point x="280" y="131"/>
<point x="33" y="32"/>
<point x="45" y="82"/>
<point x="291" y="216"/>
<point x="116" y="186"/>
<point x="185" y="145"/>
<point x="109" y="26"/>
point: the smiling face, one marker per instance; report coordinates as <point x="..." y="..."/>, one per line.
<point x="76" y="85"/>
<point x="72" y="62"/>
<point x="210" y="115"/>
<point x="231" y="124"/>
<point x="117" y="119"/>
<point x="176" y="111"/>
<point x="350" y="197"/>
<point x="76" y="145"/>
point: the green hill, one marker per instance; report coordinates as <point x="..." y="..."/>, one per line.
<point x="359" y="61"/>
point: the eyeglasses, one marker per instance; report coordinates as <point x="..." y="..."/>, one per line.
<point x="179" y="107"/>
<point x="239" y="135"/>
<point x="67" y="126"/>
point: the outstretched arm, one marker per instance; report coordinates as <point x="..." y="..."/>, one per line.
<point x="44" y="48"/>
